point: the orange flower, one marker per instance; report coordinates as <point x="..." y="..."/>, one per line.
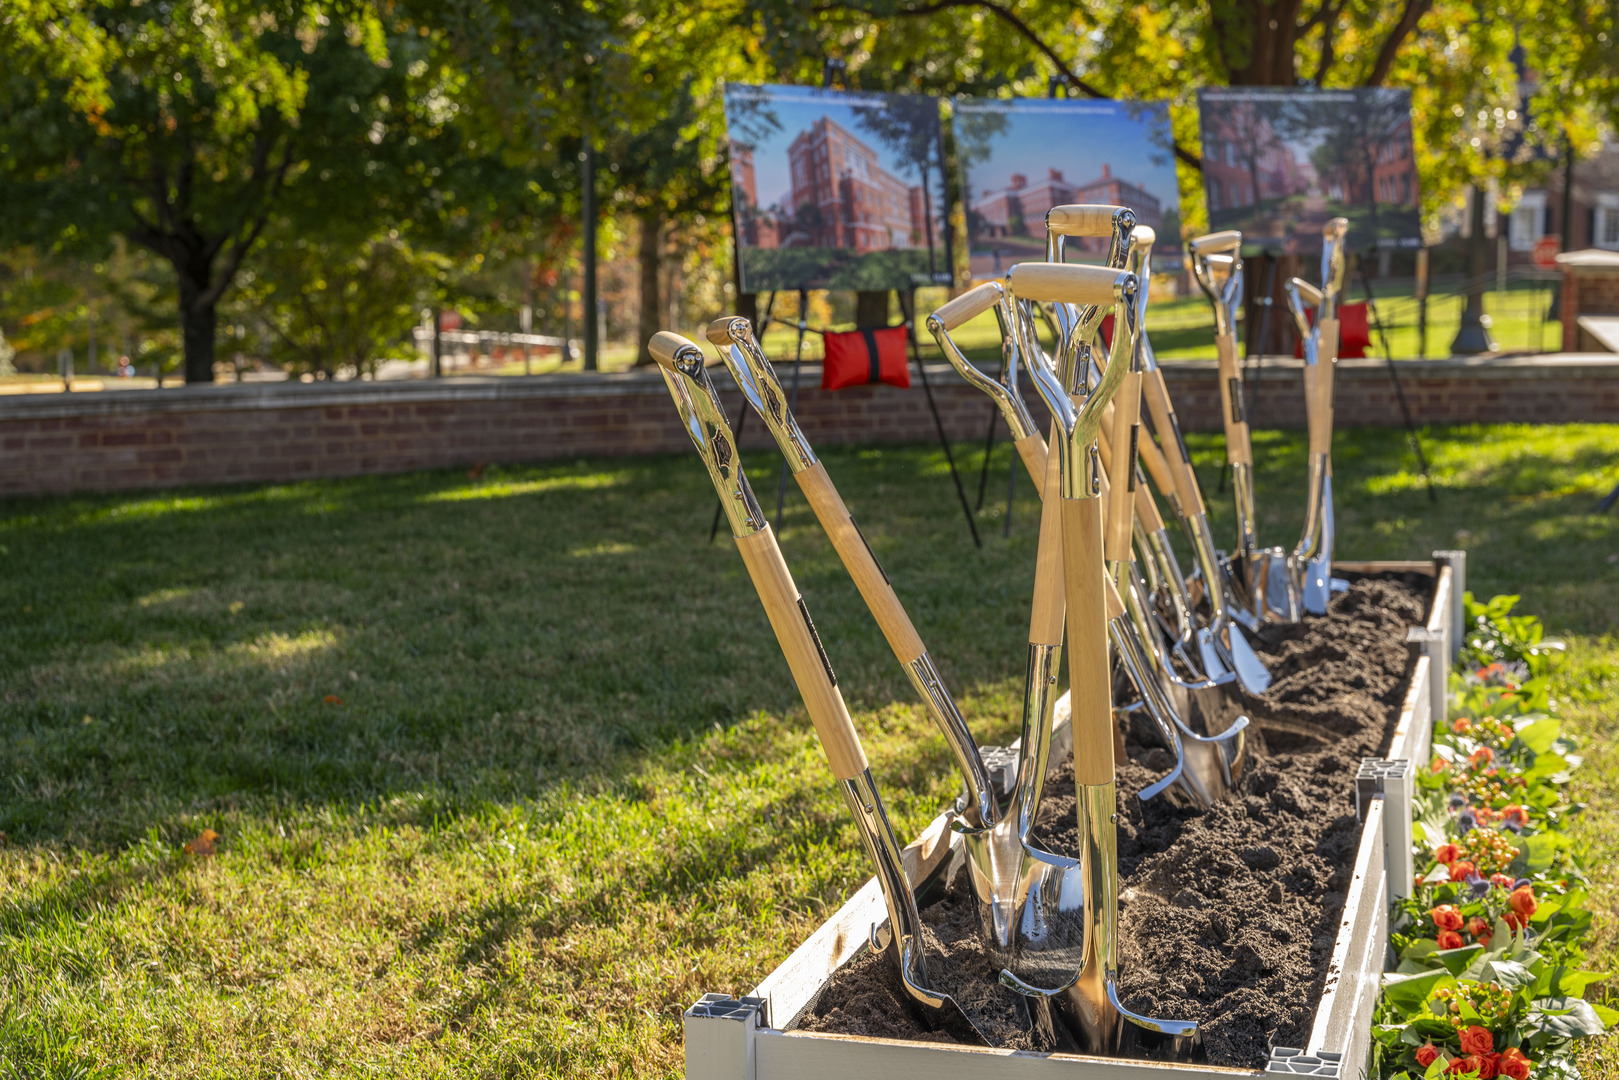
<point x="1489" y="1066"/>
<point x="1421" y="880"/>
<point x="1446" y="853"/>
<point x="1477" y="1040"/>
<point x="1514" y="1064"/>
<point x="1478" y="927"/>
<point x="1465" y="1064"/>
<point x="1450" y="939"/>
<point x="1514" y="922"/>
<point x="1439" y="765"/>
<point x="1460" y="869"/>
<point x="1501" y="880"/>
<point x="1446" y="917"/>
<point x="1515" y="815"/>
<point x="1523" y="902"/>
<point x="1483" y="753"/>
<point x="1427" y="1054"/>
<point x="1462" y="725"/>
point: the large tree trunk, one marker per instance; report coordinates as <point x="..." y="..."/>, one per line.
<point x="1255" y="41"/>
<point x="651" y="262"/>
<point x="197" y="322"/>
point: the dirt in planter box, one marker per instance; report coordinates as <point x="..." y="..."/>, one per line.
<point x="1226" y="917"/>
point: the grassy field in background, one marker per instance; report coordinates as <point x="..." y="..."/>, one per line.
<point x="1181" y="329"/>
<point x="508" y="770"/>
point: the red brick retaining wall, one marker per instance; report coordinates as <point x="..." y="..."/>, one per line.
<point x="209" y="435"/>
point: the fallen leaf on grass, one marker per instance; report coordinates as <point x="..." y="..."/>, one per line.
<point x="235" y="606"/>
<point x="476" y="471"/>
<point x="203" y="844"/>
<point x="332" y="699"/>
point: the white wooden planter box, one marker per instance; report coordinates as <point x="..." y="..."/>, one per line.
<point x="748" y="1038"/>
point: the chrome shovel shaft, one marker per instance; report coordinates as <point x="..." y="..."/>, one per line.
<point x="740" y="350"/>
<point x="703" y="417"/>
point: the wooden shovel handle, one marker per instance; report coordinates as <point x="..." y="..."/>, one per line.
<point x="1122" y="468"/>
<point x="1032" y="449"/>
<point x="1081" y="219"/>
<point x="1146" y="506"/>
<point x="1163" y="418"/>
<point x="861" y="564"/>
<point x="1163" y="478"/>
<point x="1238" y="443"/>
<point x="1319" y="388"/>
<point x="1091" y="693"/>
<point x="969" y="305"/>
<point x="805" y="657"/>
<point x="1050" y="605"/>
<point x="1217" y="241"/>
<point x="1063" y="283"/>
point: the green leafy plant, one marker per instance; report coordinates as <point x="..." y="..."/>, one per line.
<point x="1490" y="948"/>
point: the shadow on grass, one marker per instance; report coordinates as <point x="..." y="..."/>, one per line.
<point x="274" y="648"/>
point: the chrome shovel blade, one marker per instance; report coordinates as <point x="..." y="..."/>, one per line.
<point x="1250" y="671"/>
<point x="1318" y="572"/>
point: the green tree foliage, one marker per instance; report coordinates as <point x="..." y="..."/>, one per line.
<point x="1472" y="70"/>
<point x="323" y="306"/>
<point x="188" y="128"/>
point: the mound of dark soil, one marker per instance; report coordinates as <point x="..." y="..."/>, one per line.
<point x="1226" y="917"/>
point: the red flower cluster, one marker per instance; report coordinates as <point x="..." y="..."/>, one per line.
<point x="1479" y="1056"/>
<point x="1523" y="904"/>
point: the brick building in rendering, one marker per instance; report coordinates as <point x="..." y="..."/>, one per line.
<point x="842" y="197"/>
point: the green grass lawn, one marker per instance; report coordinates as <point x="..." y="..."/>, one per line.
<point x="508" y="770"/>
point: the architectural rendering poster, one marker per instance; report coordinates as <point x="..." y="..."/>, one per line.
<point x="1278" y="164"/>
<point x="1020" y="157"/>
<point x="836" y="190"/>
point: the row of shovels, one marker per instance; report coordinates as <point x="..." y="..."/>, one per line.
<point x="1105" y="572"/>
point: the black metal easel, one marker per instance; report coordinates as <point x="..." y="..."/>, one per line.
<point x="907" y="308"/>
<point x="1394" y="376"/>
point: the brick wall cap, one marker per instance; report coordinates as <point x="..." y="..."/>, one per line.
<point x="641" y="382"/>
<point x="1533" y="365"/>
<point x="1589" y="259"/>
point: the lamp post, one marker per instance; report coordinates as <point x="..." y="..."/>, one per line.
<point x="1474" y="335"/>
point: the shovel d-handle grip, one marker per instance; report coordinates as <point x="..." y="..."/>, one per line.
<point x="969" y="305"/>
<point x="1125" y="433"/>
<point x="665" y="346"/>
<point x="861" y="564"/>
<point x="1233" y="404"/>
<point x="1180" y="460"/>
<point x="1309" y="293"/>
<point x="1062" y="283"/>
<point x="1318" y="385"/>
<point x="1050" y="605"/>
<point x="1083" y="219"/>
<point x="1216" y="242"/>
<point x="789" y="618"/>
<point x="1089" y="684"/>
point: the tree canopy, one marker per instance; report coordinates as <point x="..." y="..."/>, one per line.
<point x="323" y="133"/>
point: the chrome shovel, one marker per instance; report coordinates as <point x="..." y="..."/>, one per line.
<point x="703" y="417"/>
<point x="751" y="369"/>
<point x="1089" y="1004"/>
<point x="1312" y="559"/>
<point x="1262" y="583"/>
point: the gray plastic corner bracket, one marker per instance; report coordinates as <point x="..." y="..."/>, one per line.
<point x="1396" y="782"/>
<point x="719" y="1036"/>
<point x="1286" y="1061"/>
